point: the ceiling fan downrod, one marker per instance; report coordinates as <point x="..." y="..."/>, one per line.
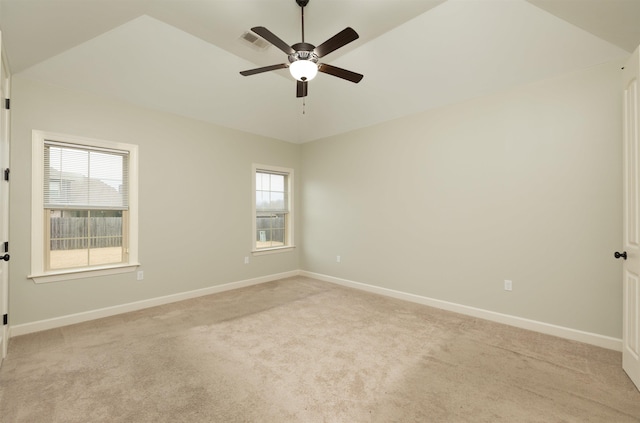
<point x="302" y="4"/>
<point x="303" y="50"/>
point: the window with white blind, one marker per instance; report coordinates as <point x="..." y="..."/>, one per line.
<point x="273" y="213"/>
<point x="84" y="214"/>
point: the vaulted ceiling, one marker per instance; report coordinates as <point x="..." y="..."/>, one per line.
<point x="184" y="56"/>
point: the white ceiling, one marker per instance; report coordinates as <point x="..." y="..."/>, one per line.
<point x="183" y="56"/>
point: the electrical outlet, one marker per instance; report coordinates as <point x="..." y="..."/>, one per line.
<point x="508" y="285"/>
<point x="246" y="260"/>
<point x="140" y="275"/>
<point x="337" y="259"/>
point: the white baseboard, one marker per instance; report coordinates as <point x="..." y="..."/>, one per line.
<point x="549" y="329"/>
<point x="71" y="319"/>
<point x="546" y="328"/>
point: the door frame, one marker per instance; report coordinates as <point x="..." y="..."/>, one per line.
<point x="631" y="220"/>
<point x="5" y="121"/>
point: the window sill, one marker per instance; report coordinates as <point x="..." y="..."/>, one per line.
<point x="87" y="272"/>
<point x="273" y="250"/>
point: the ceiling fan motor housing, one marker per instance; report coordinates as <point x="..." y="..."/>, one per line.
<point x="304" y="51"/>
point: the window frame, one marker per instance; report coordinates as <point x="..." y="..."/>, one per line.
<point x="289" y="221"/>
<point x="39" y="274"/>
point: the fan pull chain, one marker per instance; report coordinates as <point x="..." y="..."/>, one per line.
<point x="304" y="103"/>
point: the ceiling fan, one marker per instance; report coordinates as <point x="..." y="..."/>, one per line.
<point x="303" y="57"/>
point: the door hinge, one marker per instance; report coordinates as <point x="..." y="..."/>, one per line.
<point x="5" y="320"/>
<point x="7" y="103"/>
<point x="6" y="174"/>
<point x="6" y="246"/>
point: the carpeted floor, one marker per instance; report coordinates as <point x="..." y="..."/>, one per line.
<point x="301" y="350"/>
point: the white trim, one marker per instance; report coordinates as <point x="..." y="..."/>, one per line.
<point x="255" y="167"/>
<point x="5" y="150"/>
<point x="71" y="319"/>
<point x="38" y="139"/>
<point x="37" y="202"/>
<point x="533" y="325"/>
<point x="88" y="272"/>
<point x="273" y="250"/>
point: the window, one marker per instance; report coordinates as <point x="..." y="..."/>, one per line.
<point x="272" y="203"/>
<point x="84" y="216"/>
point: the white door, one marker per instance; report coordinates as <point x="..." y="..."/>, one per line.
<point x="631" y="225"/>
<point x="4" y="206"/>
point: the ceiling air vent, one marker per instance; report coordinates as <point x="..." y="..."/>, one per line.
<point x="254" y="41"/>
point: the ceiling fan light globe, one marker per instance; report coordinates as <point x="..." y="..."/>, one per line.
<point x="303" y="70"/>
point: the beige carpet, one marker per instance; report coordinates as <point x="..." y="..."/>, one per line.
<point x="300" y="350"/>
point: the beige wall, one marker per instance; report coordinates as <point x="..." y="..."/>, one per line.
<point x="523" y="185"/>
<point x="195" y="201"/>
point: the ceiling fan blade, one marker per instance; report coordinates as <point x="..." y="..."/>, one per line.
<point x="341" y="39"/>
<point x="340" y="73"/>
<point x="302" y="88"/>
<point x="263" y="69"/>
<point x="273" y="39"/>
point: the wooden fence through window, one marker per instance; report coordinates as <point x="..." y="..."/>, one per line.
<point x="70" y="233"/>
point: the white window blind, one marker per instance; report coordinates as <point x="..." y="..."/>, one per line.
<point x="85" y="178"/>
<point x="271" y="192"/>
